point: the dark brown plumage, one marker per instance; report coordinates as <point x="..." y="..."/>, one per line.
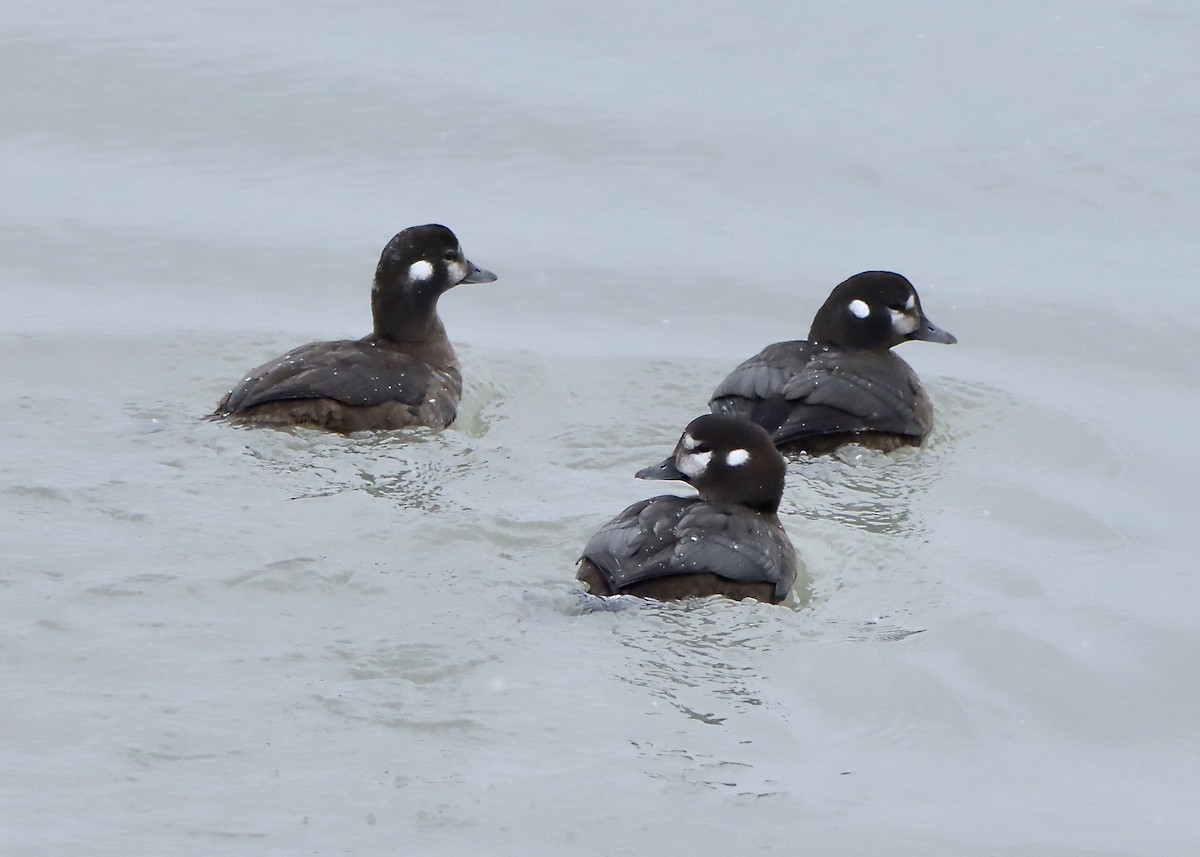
<point x="726" y="541"/>
<point x="404" y="373"/>
<point x="843" y="384"/>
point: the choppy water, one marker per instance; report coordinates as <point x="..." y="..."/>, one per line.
<point x="228" y="641"/>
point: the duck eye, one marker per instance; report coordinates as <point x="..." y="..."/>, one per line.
<point x="451" y="255"/>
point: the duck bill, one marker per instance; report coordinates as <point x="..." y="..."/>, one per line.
<point x="476" y="274"/>
<point x="665" y="470"/>
<point x="930" y="332"/>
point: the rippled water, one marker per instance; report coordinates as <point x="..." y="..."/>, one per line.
<point x="281" y="642"/>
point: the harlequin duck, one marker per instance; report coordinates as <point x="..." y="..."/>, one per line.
<point x="727" y="541"/>
<point x="843" y="384"/>
<point x="404" y="373"/>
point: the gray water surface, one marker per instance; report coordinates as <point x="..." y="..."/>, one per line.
<point x="227" y="641"/>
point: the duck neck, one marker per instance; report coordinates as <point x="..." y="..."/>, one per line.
<point x="401" y="318"/>
<point x="765" y="502"/>
<point x="768" y="509"/>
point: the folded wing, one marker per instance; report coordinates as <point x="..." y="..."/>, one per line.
<point x="349" y="371"/>
<point x="668" y="536"/>
<point x="796" y="389"/>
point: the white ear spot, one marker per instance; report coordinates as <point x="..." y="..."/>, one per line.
<point x="859" y="308"/>
<point x="911" y="303"/>
<point x="421" y="270"/>
<point x="688" y="441"/>
<point x="737" y="457"/>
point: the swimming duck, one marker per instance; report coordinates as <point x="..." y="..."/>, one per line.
<point x="725" y="541"/>
<point x="404" y="373"/>
<point x="843" y="384"/>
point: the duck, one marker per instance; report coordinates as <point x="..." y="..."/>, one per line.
<point x="403" y="373"/>
<point x="726" y="540"/>
<point x="843" y="384"/>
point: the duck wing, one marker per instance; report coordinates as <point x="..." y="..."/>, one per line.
<point x="798" y="389"/>
<point x="668" y="536"/>
<point x="349" y="371"/>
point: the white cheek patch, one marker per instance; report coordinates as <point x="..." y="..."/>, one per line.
<point x="902" y="322"/>
<point x="737" y="457"/>
<point x="458" y="270"/>
<point x="421" y="270"/>
<point x="688" y="441"/>
<point x="911" y="303"/>
<point x="859" y="309"/>
<point x="693" y="464"/>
